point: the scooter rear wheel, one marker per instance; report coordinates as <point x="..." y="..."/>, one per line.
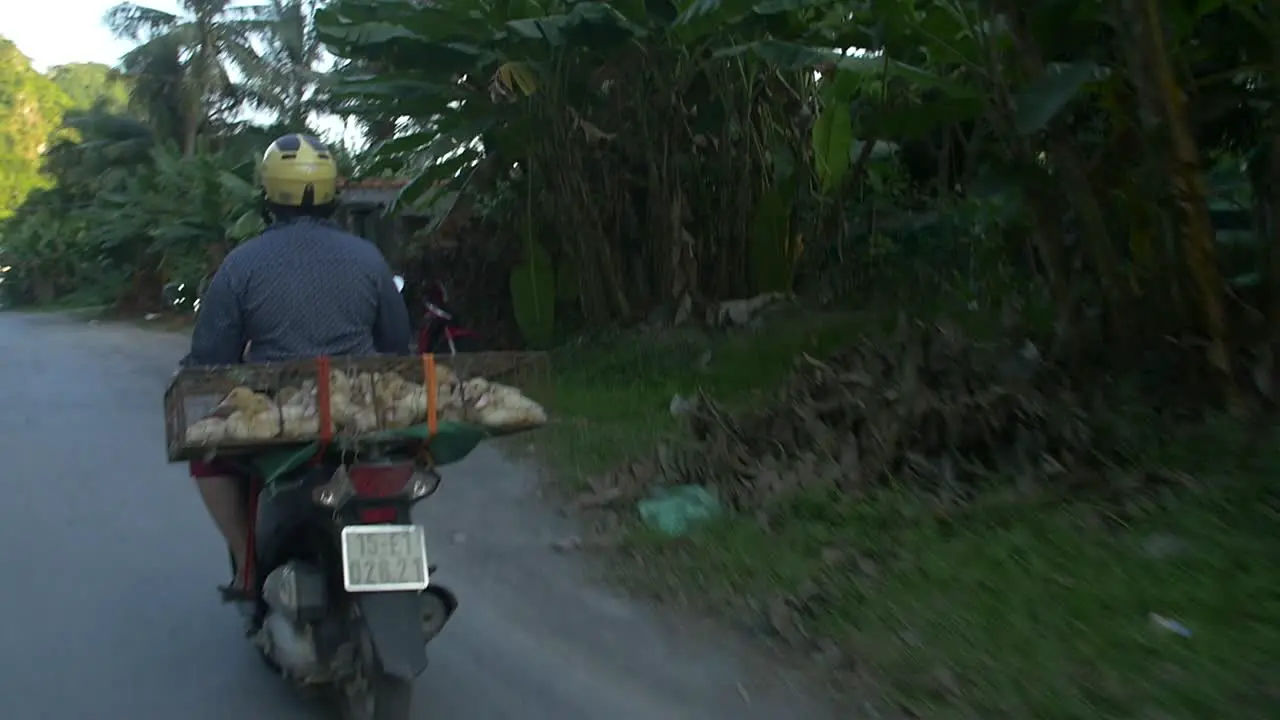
<point x="372" y="694"/>
<point x="384" y="698"/>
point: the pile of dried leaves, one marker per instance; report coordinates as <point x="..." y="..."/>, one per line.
<point x="928" y="407"/>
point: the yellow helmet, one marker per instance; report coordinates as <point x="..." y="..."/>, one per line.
<point x="296" y="164"/>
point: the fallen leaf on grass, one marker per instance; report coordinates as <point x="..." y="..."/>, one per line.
<point x="596" y="499"/>
<point x="782" y="618"/>
<point x="596" y="541"/>
<point x="828" y="653"/>
<point x="573" y="542"/>
<point x="945" y="680"/>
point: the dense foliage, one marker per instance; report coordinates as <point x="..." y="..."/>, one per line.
<point x="31" y="108"/>
<point x="1108" y="165"/>
<point x="1101" y="176"/>
<point x="150" y="178"/>
<point x="647" y="155"/>
<point x="89" y="85"/>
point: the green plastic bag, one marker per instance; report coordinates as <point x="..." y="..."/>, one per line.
<point x="673" y="511"/>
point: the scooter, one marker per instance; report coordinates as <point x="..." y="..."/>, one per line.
<point x="343" y="596"/>
<point x="442" y="332"/>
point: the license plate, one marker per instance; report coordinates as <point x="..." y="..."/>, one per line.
<point x="378" y="558"/>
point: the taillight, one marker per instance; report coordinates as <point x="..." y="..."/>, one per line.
<point x="377" y="515"/>
<point x="399" y="481"/>
<point x="375" y="482"/>
<point x="385" y="480"/>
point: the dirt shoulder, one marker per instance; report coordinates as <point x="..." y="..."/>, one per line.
<point x="1145" y="590"/>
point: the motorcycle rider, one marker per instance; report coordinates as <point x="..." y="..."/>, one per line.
<point x="303" y="288"/>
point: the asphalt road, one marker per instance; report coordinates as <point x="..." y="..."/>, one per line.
<point x="108" y="608"/>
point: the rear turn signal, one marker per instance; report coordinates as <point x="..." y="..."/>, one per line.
<point x="390" y="482"/>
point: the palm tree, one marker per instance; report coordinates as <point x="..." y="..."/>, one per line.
<point x="182" y="63"/>
<point x="285" y="82"/>
<point x="375" y="125"/>
<point x="157" y="89"/>
<point x="106" y="147"/>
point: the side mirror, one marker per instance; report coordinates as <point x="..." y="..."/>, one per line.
<point x="399" y="281"/>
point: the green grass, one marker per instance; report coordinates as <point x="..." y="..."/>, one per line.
<point x="1044" y="614"/>
<point x="86" y="300"/>
<point x="1014" y="611"/>
<point x="71" y="306"/>
<point x="611" y="398"/>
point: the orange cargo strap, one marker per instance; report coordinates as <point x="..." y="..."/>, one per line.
<point x="429" y="375"/>
<point x="322" y="402"/>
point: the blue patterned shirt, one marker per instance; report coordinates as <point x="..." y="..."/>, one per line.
<point x="301" y="289"/>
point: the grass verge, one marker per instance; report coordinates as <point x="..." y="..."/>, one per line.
<point x="73" y="309"/>
<point x="612" y="396"/>
<point x="1015" y="611"/>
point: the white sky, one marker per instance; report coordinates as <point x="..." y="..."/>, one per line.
<point x="57" y="32"/>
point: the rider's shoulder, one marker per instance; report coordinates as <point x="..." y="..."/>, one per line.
<point x="301" y="236"/>
<point x="362" y="247"/>
<point x="248" y="254"/>
<point x="247" y="249"/>
<point x="313" y="228"/>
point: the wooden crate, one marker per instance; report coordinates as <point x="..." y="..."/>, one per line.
<point x="195" y="392"/>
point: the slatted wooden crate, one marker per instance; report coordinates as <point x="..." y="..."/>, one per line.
<point x="195" y="392"/>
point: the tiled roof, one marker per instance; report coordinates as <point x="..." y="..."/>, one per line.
<point x="375" y="192"/>
<point x="375" y="183"/>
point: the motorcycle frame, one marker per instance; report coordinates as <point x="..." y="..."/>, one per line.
<point x="290" y="525"/>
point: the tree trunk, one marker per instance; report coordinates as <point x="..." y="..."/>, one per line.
<point x="1046" y="214"/>
<point x="1191" y="191"/>
<point x="1266" y="186"/>
<point x="191" y="117"/>
<point x="1265" y="180"/>
<point x="1069" y="164"/>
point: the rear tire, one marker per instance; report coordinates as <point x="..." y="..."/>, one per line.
<point x="392" y="698"/>
<point x="382" y="698"/>
<point x="372" y="694"/>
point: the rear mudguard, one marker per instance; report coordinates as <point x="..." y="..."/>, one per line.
<point x="288" y="515"/>
<point x="446" y="596"/>
<point x="288" y="518"/>
<point x="394" y="623"/>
